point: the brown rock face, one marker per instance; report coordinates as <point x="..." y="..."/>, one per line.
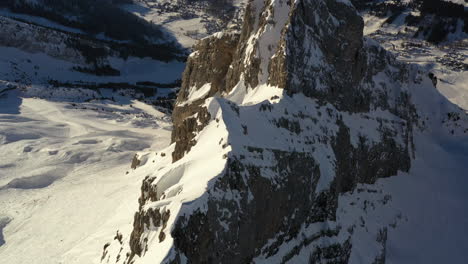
<point x="187" y="121"/>
<point x="135" y="162"/>
<point x="246" y="236"/>
<point x="238" y="65"/>
<point x="208" y="64"/>
<point x="321" y="54"/>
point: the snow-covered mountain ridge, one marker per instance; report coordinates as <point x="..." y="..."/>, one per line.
<point x="286" y="139"/>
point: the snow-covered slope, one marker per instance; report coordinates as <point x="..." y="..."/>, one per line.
<point x="404" y="29"/>
<point x="47" y="57"/>
<point x="65" y="178"/>
<point x="190" y="20"/>
<point x="296" y="140"/>
<point x="57" y="43"/>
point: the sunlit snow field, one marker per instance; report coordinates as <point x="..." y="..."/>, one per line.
<point x="64" y="187"/>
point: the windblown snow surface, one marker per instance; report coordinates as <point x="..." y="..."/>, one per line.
<point x="65" y="178"/>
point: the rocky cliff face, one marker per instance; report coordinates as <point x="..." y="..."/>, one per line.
<point x="272" y="126"/>
<point x="207" y="66"/>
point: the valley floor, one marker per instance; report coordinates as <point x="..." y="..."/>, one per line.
<point x="65" y="180"/>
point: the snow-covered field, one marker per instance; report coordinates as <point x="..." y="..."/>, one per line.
<point x="65" y="180"/>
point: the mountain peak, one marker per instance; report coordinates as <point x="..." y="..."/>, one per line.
<point x="292" y="114"/>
